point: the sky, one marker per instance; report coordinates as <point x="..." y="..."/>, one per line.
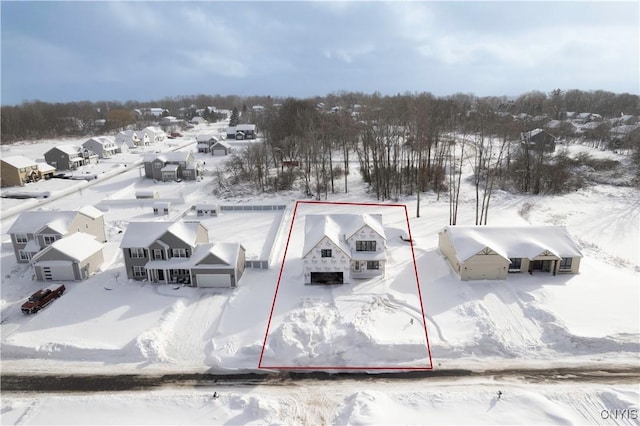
<point x="98" y="51"/>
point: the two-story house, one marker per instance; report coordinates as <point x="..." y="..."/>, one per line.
<point x="208" y="143"/>
<point x="242" y="131"/>
<point x="340" y="247"/>
<point x="180" y="252"/>
<point x="18" y="170"/>
<point x="33" y="231"/>
<point x="129" y="137"/>
<point x="103" y="146"/>
<point x="69" y="157"/>
<point x="171" y="166"/>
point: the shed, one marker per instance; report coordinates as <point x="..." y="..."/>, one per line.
<point x="204" y="209"/>
<point x="161" y="207"/>
<point x="145" y="194"/>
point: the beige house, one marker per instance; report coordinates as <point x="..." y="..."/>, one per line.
<point x="492" y="252"/>
<point x="17" y="170"/>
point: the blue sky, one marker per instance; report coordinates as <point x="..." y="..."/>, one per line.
<point x="71" y="51"/>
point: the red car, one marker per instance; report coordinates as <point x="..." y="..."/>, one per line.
<point x="42" y="298"/>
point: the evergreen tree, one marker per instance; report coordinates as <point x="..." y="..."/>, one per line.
<point x="235" y="118"/>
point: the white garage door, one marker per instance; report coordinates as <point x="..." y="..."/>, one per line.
<point x="213" y="280"/>
<point x="58" y="272"/>
<point x="219" y="152"/>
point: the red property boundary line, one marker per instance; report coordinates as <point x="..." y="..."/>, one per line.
<point x="415" y="269"/>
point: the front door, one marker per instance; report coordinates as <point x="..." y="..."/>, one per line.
<point x="160" y="274"/>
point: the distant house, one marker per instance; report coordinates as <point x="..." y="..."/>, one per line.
<point x="32" y="231"/>
<point x="625" y="136"/>
<point x="128" y="137"/>
<point x="103" y="146"/>
<point x="492" y="252"/>
<point x="46" y="171"/>
<point x="538" y="140"/>
<point x="143" y="137"/>
<point x="242" y="131"/>
<point x="171" y="166"/>
<point x="72" y="258"/>
<point x="154" y="134"/>
<point x="204" y="209"/>
<point x="595" y="129"/>
<point x="205" y="141"/>
<point x="17" y="170"/>
<point x="198" y="120"/>
<point x="179" y="252"/>
<point x="69" y="157"/>
<point x="161" y="208"/>
<point x="582" y="118"/>
<point x="220" y="148"/>
<point x="340" y="247"/>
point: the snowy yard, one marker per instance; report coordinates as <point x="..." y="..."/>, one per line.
<point x="112" y="325"/>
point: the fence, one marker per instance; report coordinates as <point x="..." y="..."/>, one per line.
<point x="257" y="264"/>
<point x="252" y="207"/>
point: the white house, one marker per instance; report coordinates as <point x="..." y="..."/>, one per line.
<point x="103" y="146"/>
<point x="154" y="134"/>
<point x="128" y="137"/>
<point x="492" y="252"/>
<point x="340" y="247"/>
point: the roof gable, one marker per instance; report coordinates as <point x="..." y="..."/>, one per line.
<point x="78" y="246"/>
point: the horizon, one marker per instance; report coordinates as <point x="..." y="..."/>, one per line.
<point x="61" y="52"/>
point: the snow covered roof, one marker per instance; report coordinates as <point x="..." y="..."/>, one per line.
<point x="101" y="140"/>
<point x="31" y="221"/>
<point x="68" y="149"/>
<point x="624" y="129"/>
<point x="19" y="161"/>
<point x="170" y="168"/>
<point x="226" y="252"/>
<point x="143" y="234"/>
<point x="206" y="137"/>
<point x="173" y="156"/>
<point x="91" y="212"/>
<point x="45" y="168"/>
<point x="512" y="241"/>
<point x="222" y="143"/>
<point x="77" y="246"/>
<point x="338" y="228"/>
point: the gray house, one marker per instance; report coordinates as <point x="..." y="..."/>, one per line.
<point x="180" y="252"/>
<point x="103" y="146"/>
<point x="72" y="258"/>
<point x="69" y="157"/>
<point x="171" y="166"/>
<point x="242" y="131"/>
<point x="33" y="231"/>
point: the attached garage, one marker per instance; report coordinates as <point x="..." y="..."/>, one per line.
<point x="327" y="278"/>
<point x="55" y="271"/>
<point x="213" y="280"/>
<point x="71" y="258"/>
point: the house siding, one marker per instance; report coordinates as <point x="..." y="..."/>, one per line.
<point x="338" y="262"/>
<point x="130" y="262"/>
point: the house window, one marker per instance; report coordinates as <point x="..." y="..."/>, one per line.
<point x="139" y="271"/>
<point x="516" y="264"/>
<point x="49" y="239"/>
<point x="179" y="252"/>
<point x="157" y="165"/>
<point x="24" y="255"/>
<point x="365" y="246"/>
<point x="565" y="264"/>
<point x="137" y="252"/>
<point x="325" y="253"/>
<point x="46" y="272"/>
<point x="21" y="238"/>
<point x="373" y="264"/>
<point x="157" y="253"/>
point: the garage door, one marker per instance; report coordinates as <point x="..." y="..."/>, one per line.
<point x="327" y="278"/>
<point x="213" y="280"/>
<point x="219" y="152"/>
<point x="57" y="272"/>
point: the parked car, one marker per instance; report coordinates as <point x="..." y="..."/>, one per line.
<point x="42" y="298"/>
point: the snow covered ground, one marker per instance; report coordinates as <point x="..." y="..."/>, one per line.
<point x="112" y="325"/>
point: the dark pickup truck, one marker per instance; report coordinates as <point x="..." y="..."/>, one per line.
<point x="42" y="298"/>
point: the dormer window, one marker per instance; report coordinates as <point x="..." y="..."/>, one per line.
<point x="365" y="246"/>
